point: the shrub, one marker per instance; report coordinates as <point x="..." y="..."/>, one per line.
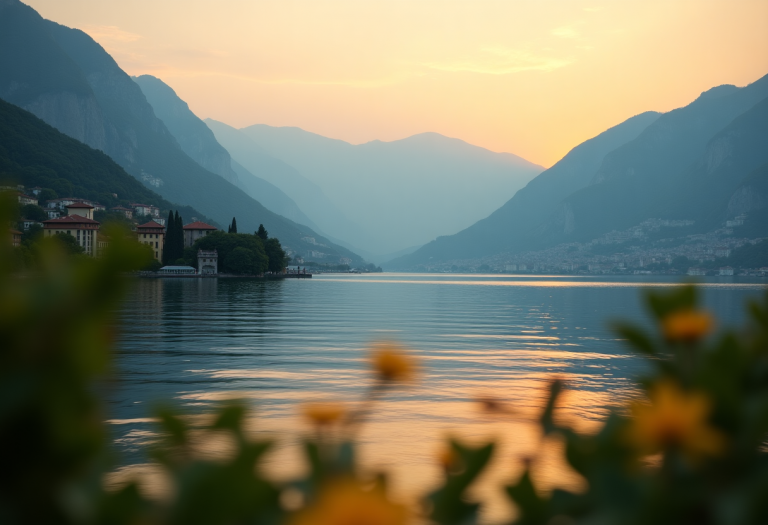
<point x="690" y="449"/>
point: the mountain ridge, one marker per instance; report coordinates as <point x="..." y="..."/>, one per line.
<point x="34" y="153"/>
<point x="638" y="179"/>
<point x="512" y="222"/>
<point x="404" y="192"/>
<point x="198" y="141"/>
<point x="112" y="114"/>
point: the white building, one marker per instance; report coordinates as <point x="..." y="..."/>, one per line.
<point x="145" y="209"/>
<point x="207" y="262"/>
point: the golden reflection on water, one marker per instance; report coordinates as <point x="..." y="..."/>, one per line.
<point x="553" y="282"/>
<point x="279" y="345"/>
<point x="403" y="436"/>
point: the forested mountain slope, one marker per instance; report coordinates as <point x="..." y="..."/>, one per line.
<point x="33" y="153"/>
<point x="68" y="80"/>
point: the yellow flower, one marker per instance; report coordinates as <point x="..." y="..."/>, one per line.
<point x="345" y="503"/>
<point x="391" y="362"/>
<point x="687" y="326"/>
<point x="323" y="413"/>
<point x="448" y="458"/>
<point x="674" y="419"/>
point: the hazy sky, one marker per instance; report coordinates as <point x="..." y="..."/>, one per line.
<point x="533" y="78"/>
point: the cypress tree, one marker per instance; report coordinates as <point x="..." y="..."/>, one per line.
<point x="262" y="233"/>
<point x="178" y="237"/>
<point x="233" y="228"/>
<point x="169" y="230"/>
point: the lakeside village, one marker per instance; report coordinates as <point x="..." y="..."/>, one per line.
<point x="195" y="249"/>
<point x="655" y="246"/>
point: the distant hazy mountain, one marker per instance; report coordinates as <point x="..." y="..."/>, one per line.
<point x="401" y="193"/>
<point x="62" y="76"/>
<point x="308" y="195"/>
<point x="510" y="226"/>
<point x="197" y="140"/>
<point x="703" y="162"/>
<point x="194" y="137"/>
<point x="271" y="196"/>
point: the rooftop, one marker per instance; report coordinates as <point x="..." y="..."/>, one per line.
<point x="198" y="225"/>
<point x="150" y="224"/>
<point x="70" y="219"/>
<point x="79" y="205"/>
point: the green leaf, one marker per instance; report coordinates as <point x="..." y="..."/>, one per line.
<point x="448" y="504"/>
<point x="546" y="420"/>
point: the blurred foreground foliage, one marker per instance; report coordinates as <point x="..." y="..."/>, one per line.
<point x="690" y="449"/>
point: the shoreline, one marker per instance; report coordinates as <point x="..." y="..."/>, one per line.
<point x="156" y="275"/>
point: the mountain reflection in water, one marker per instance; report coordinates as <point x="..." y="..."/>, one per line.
<point x="277" y="344"/>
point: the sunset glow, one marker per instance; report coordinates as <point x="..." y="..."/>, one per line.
<point x="532" y="78"/>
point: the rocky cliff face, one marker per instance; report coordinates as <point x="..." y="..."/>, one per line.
<point x="37" y="75"/>
<point x="193" y="136"/>
<point x="746" y="199"/>
<point x="75" y="115"/>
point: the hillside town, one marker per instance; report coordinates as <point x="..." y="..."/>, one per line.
<point x="655" y="246"/>
<point x="76" y="217"/>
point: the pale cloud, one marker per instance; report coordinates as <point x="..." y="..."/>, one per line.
<point x="565" y="32"/>
<point x="499" y="61"/>
<point x="110" y="34"/>
<point x="591" y="9"/>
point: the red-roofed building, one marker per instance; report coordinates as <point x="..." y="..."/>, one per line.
<point x="85" y="230"/>
<point x="122" y="209"/>
<point x="194" y="231"/>
<point x="153" y="234"/>
<point x="80" y="208"/>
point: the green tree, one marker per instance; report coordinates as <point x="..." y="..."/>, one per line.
<point x="47" y="194"/>
<point x="178" y="239"/>
<point x="68" y="243"/>
<point x="225" y="244"/>
<point x="112" y="217"/>
<point x="233" y="226"/>
<point x="277" y="257"/>
<point x="241" y="261"/>
<point x="262" y="233"/>
<point x="33" y="212"/>
<point x="32" y="235"/>
<point x="169" y="246"/>
<point x="148" y="254"/>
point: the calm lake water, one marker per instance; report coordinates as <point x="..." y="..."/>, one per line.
<point x="281" y="343"/>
